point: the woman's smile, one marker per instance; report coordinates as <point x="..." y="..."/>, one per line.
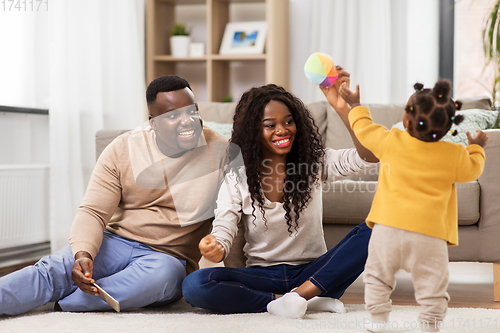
<point x="283" y="142"/>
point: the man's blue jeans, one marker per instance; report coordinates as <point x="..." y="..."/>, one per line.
<point x="131" y="272"/>
<point x="238" y="290"/>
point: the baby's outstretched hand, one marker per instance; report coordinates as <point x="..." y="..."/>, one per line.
<point x="479" y="139"/>
<point x="332" y="93"/>
<point x="352" y="98"/>
<point x="211" y="249"/>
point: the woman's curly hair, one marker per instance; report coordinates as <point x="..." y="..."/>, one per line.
<point x="307" y="149"/>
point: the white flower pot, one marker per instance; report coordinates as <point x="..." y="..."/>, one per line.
<point x="179" y="46"/>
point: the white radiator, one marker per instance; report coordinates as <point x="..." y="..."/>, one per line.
<point x="24" y="208"/>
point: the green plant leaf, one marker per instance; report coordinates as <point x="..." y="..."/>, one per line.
<point x="179" y="29"/>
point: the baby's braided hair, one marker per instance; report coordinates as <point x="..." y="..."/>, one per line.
<point x="432" y="111"/>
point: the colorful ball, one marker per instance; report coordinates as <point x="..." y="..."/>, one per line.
<point x="320" y="70"/>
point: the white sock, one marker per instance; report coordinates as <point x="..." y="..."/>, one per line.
<point x="325" y="304"/>
<point x="290" y="305"/>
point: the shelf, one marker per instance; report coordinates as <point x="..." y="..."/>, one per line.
<point x="177" y="59"/>
<point x="241" y="1"/>
<point x="212" y="74"/>
<point x="183" y="2"/>
<point x="239" y="57"/>
<point x="202" y="2"/>
<point x="215" y="57"/>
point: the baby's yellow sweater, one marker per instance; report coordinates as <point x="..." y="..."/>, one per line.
<point x="416" y="185"/>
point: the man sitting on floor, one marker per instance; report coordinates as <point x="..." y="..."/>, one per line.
<point x="149" y="202"/>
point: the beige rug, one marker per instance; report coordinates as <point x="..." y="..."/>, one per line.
<point x="181" y="317"/>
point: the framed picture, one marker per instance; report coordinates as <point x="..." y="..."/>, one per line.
<point x="244" y="38"/>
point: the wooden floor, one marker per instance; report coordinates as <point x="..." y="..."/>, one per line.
<point x="471" y="286"/>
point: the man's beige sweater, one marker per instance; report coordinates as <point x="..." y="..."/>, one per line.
<point x="138" y="193"/>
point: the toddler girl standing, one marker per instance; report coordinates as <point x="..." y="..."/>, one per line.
<point x="414" y="211"/>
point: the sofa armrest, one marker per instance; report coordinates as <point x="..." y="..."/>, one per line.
<point x="489" y="181"/>
<point x="104" y="137"/>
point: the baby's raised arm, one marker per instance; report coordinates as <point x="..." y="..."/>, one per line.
<point x="352" y="98"/>
<point x="335" y="98"/>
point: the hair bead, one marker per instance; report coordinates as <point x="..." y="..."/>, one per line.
<point x="418" y="87"/>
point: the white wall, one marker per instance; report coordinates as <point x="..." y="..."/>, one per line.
<point x="20" y="59"/>
<point x="24" y="138"/>
<point x="471" y="78"/>
<point x="422" y="43"/>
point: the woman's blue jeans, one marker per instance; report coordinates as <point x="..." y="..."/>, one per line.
<point x="238" y="290"/>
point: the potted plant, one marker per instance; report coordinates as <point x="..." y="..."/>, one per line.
<point x="179" y="40"/>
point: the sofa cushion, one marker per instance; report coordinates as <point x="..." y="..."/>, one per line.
<point x="217" y="112"/>
<point x="468" y="203"/>
<point x="103" y="138"/>
<point x="337" y="135"/>
<point x="318" y="110"/>
<point x="349" y="202"/>
<point x="476" y="103"/>
<point x="224" y="129"/>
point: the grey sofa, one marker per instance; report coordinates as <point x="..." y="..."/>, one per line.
<point x="347" y="202"/>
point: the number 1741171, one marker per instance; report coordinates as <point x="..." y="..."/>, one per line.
<point x="475" y="323"/>
<point x="24" y="5"/>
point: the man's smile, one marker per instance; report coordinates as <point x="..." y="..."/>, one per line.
<point x="187" y="133"/>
